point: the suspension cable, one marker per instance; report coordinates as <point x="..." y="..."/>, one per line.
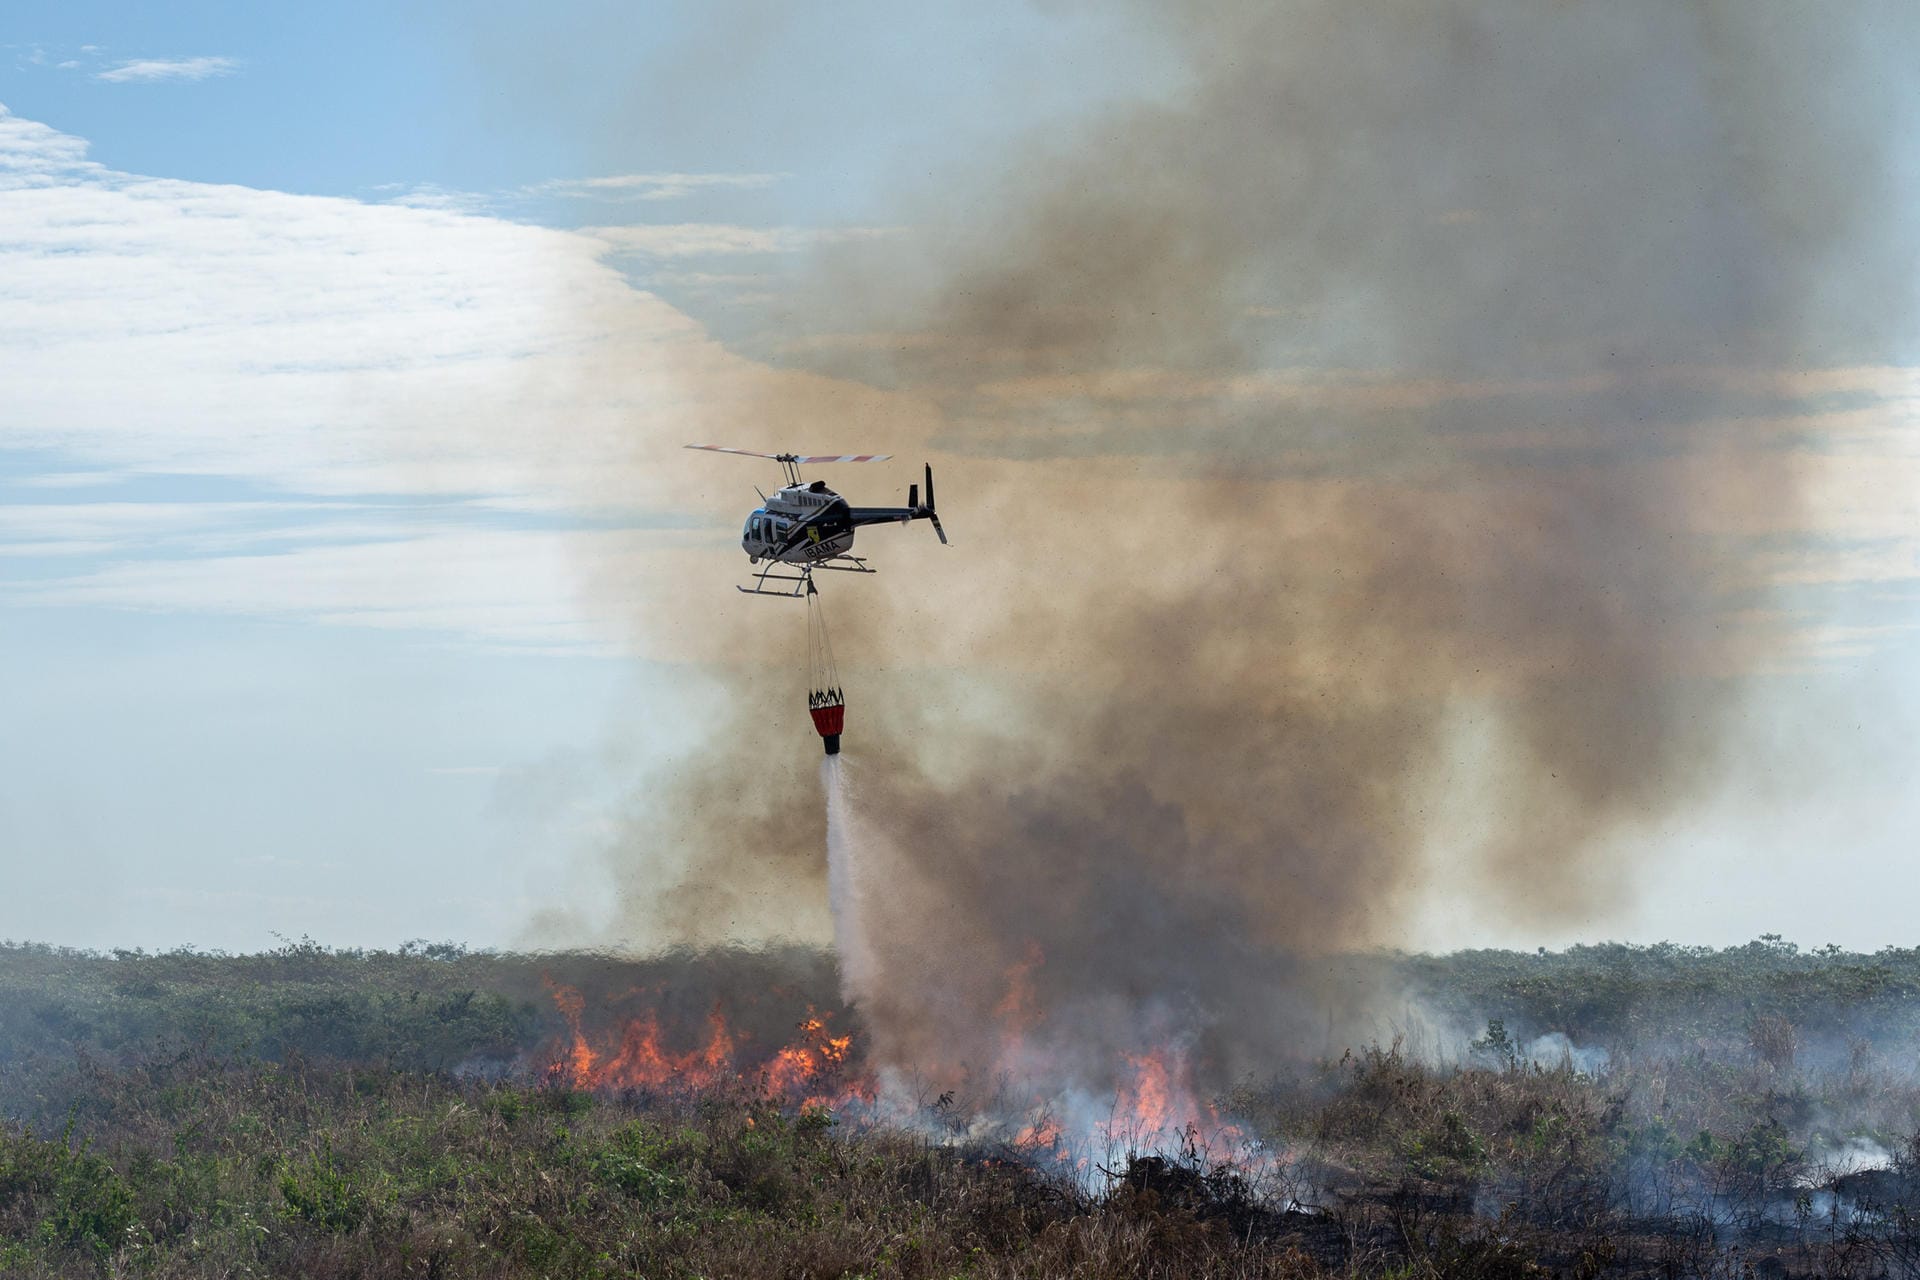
<point x="822" y="672"/>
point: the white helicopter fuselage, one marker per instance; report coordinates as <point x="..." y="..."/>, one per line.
<point x="809" y="526"/>
<point x="821" y="516"/>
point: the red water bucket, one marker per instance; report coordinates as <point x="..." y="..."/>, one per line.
<point x="829" y="720"/>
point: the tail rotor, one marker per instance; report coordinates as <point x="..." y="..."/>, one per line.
<point x="932" y="514"/>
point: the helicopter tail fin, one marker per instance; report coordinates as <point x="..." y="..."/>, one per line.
<point x="932" y="514"/>
<point x="928" y="511"/>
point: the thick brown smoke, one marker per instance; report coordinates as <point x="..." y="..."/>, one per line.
<point x="1355" y="457"/>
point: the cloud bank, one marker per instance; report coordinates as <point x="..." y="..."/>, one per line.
<point x="152" y="70"/>
<point x="469" y="410"/>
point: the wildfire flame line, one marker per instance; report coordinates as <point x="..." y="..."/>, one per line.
<point x="1153" y="1107"/>
<point x="812" y="1069"/>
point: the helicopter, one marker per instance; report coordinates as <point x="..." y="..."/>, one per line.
<point x="805" y="525"/>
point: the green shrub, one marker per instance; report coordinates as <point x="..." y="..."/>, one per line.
<point x="634" y="1161"/>
<point x="317" y="1191"/>
<point x="1449" y="1149"/>
<point x="92" y="1205"/>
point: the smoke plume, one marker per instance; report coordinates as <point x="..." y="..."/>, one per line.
<point x="1357" y="457"/>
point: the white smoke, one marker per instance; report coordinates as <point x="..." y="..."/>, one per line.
<point x="1554" y="1052"/>
<point x="1829" y="1160"/>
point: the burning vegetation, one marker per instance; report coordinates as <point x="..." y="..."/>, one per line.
<point x="1605" y="1111"/>
<point x="811" y="1070"/>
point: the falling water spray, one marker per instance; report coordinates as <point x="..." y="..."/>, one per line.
<point x="845" y="888"/>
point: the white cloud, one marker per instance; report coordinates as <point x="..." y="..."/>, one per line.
<point x="650" y="186"/>
<point x="23" y="550"/>
<point x="77" y="528"/>
<point x="70" y="480"/>
<point x="147" y="70"/>
<point x="29" y="149"/>
<point x="330" y="344"/>
<point x="432" y="196"/>
<point x="511" y="587"/>
<point x="696" y="239"/>
<point x="705" y="239"/>
<point x="336" y="347"/>
<point x="611" y="189"/>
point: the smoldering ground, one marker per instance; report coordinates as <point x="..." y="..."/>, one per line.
<point x="1392" y="411"/>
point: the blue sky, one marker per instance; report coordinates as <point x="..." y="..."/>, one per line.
<point x="489" y="97"/>
<point x="341" y="347"/>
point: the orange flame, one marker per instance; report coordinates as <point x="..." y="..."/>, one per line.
<point x="1043" y="1134"/>
<point x="1148" y="1102"/>
<point x="813" y="1067"/>
<point x="1154" y="1103"/>
<point x="1158" y="1106"/>
<point x="579" y="1056"/>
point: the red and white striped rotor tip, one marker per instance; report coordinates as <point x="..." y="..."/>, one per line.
<point x="806" y="458"/>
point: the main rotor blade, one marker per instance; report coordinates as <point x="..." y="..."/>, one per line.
<point x="799" y="459"/>
<point x="750" y="453"/>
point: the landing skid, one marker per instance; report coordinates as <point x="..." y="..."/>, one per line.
<point x="800" y="582"/>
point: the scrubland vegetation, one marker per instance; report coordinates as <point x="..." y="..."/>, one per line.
<point x="1618" y="1111"/>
